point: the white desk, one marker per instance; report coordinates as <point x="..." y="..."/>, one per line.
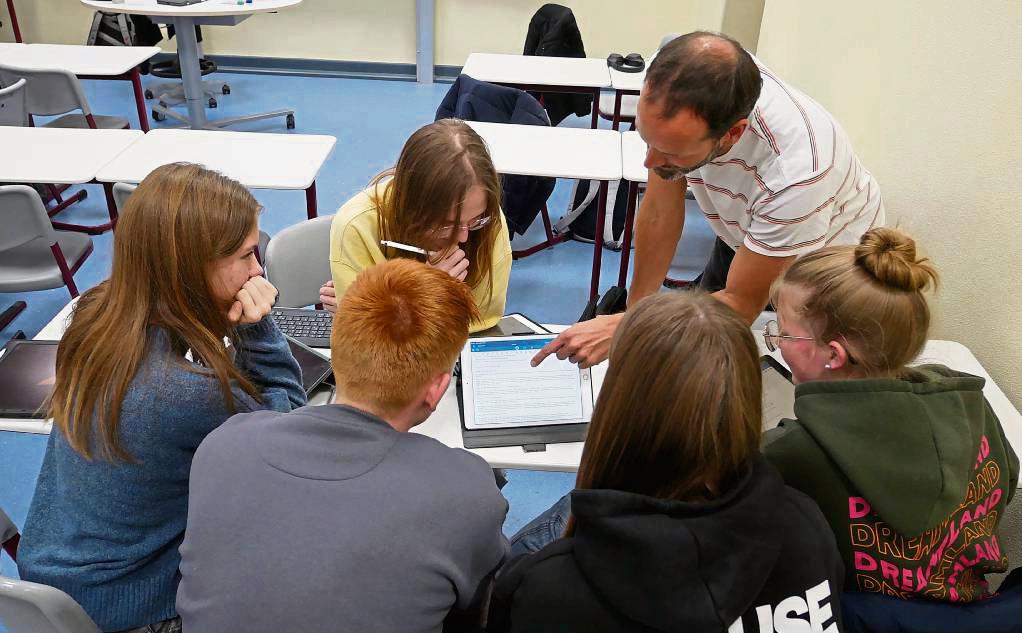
<point x="259" y="161"/>
<point x="185" y="19"/>
<point x="535" y="150"/>
<point x="633" y="157"/>
<point x="63" y="156"/>
<point x="87" y="62"/>
<point x="542" y="74"/>
<point x="445" y="424"/>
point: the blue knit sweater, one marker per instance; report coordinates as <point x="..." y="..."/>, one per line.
<point x="108" y="533"/>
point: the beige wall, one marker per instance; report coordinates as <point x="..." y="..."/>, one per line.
<point x="384" y="30"/>
<point x="930" y="92"/>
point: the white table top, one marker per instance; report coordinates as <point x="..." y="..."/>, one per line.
<point x="59" y="156"/>
<point x="80" y="60"/>
<point x="445" y="424"/>
<point x="633" y="155"/>
<point x="260" y="161"/>
<point x="202" y="9"/>
<point x="577" y="72"/>
<point x="627" y="81"/>
<point x="560" y="152"/>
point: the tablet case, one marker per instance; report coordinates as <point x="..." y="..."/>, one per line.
<point x="531" y="438"/>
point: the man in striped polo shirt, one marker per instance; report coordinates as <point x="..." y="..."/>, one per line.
<point x="772" y="170"/>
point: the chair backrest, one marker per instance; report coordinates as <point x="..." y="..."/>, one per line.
<point x="7" y="528"/>
<point x="27" y="607"/>
<point x="13" y="110"/>
<point x="24" y="217"/>
<point x="50" y="92"/>
<point x="121" y="192"/>
<point x="298" y="261"/>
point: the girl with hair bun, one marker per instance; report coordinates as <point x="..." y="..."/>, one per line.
<point x="909" y="464"/>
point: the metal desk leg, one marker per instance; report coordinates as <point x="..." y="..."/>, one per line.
<point x="191" y="75"/>
<point x="311" y="205"/>
<point x="143" y="116"/>
<point x="616" y="123"/>
<point x="626" y="242"/>
<point x="14" y="21"/>
<point x="601" y="214"/>
<point x="596" y="109"/>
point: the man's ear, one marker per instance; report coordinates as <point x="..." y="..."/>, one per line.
<point x="838" y="356"/>
<point x="735" y="131"/>
<point x="435" y="390"/>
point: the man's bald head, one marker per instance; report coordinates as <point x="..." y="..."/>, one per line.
<point x="707" y="73"/>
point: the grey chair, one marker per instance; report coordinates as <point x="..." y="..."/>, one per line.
<point x="298" y="261"/>
<point x="58" y="92"/>
<point x="33" y="255"/>
<point x="9" y="536"/>
<point x="28" y="607"/>
<point x="121" y="192"/>
<point x="13" y="111"/>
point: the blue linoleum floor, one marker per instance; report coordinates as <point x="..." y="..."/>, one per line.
<point x="371" y="120"/>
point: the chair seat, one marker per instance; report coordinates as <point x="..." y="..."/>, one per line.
<point x="629" y="103"/>
<point x="31" y="266"/>
<point x="103" y="122"/>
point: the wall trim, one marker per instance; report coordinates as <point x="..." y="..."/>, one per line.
<point x="342" y="69"/>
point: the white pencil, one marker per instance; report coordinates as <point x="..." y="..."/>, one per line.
<point x="404" y="247"/>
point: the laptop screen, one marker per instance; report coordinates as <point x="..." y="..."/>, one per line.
<point x="27" y="373"/>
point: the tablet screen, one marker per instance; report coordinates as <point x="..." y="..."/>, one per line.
<point x="778" y="395"/>
<point x="502" y="388"/>
<point x="314" y="367"/>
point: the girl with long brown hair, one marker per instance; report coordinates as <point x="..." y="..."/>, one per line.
<point x="909" y="463"/>
<point x="442" y="196"/>
<point x="677" y="523"/>
<point x="143" y="374"/>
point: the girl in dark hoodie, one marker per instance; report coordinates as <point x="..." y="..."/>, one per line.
<point x="909" y="465"/>
<point x="677" y="522"/>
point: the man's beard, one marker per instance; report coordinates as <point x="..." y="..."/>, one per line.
<point x="674" y="173"/>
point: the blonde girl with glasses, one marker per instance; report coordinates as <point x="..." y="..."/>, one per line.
<point x="908" y="462"/>
<point x="442" y="197"/>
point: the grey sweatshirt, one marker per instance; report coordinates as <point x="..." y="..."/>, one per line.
<point x="328" y="519"/>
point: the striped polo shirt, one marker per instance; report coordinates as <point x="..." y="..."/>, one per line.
<point x="792" y="184"/>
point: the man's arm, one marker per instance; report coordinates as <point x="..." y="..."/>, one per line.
<point x="658" y="227"/>
<point x="748" y="282"/>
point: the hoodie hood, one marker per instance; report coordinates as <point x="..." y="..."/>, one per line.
<point x="932" y="427"/>
<point x="637" y="552"/>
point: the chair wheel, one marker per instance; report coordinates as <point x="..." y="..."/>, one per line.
<point x="212" y="102"/>
<point x="149" y="93"/>
<point x="226" y="89"/>
<point x="290" y="121"/>
<point x="159" y="116"/>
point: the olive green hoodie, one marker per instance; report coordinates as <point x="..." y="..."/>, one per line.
<point x="913" y="476"/>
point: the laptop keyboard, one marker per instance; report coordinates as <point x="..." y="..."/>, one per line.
<point x="311" y="327"/>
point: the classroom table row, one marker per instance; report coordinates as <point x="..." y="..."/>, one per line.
<point x="293" y="161"/>
<point x="76" y="156"/>
<point x="445" y="423"/>
<point x="87" y="62"/>
<point x="584" y="75"/>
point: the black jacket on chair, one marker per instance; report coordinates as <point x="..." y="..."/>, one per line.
<point x="554" y="33"/>
<point x="473" y="100"/>
<point x="759" y="559"/>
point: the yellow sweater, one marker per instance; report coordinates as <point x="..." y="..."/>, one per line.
<point x="355" y="246"/>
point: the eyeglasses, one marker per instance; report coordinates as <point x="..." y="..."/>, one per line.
<point x="476" y="224"/>
<point x="772" y="336"/>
